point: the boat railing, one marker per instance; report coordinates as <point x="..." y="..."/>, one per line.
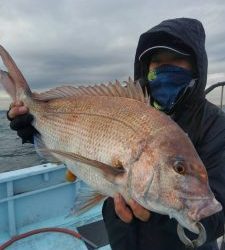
<point x="216" y="85"/>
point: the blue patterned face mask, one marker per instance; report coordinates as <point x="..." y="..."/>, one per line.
<point x="167" y="83"/>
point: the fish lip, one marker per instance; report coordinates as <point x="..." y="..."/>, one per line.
<point x="186" y="222"/>
<point x="197" y="209"/>
<point x="207" y="208"/>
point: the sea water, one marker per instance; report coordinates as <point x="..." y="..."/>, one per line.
<point x="14" y="154"/>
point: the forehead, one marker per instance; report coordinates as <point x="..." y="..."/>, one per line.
<point x="164" y="54"/>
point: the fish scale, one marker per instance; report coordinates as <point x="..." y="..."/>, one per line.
<point x="106" y="133"/>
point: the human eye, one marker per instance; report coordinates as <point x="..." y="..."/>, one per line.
<point x="155" y="59"/>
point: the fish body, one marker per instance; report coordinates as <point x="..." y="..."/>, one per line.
<point x="111" y="130"/>
<point x="113" y="140"/>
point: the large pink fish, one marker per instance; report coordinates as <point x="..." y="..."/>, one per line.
<point x="111" y="138"/>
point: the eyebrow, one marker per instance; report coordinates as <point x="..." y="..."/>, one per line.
<point x="160" y="54"/>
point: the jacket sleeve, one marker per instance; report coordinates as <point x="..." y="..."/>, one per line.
<point x="211" y="149"/>
<point x="122" y="236"/>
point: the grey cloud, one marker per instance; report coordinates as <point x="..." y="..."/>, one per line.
<point x="81" y="41"/>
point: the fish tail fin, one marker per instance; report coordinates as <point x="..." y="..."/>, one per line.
<point x="8" y="84"/>
<point x="13" y="81"/>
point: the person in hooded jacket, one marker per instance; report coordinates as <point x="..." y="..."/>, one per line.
<point x="171" y="63"/>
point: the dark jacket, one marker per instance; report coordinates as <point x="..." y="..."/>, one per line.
<point x="205" y="125"/>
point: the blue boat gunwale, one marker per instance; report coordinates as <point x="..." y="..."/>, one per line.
<point x="11" y="199"/>
<point x="30" y="171"/>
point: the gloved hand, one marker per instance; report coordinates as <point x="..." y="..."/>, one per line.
<point x="20" y="120"/>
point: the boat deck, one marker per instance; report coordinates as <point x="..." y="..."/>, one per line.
<point x="40" y="197"/>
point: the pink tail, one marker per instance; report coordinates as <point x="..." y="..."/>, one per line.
<point x="8" y="84"/>
<point x="13" y="80"/>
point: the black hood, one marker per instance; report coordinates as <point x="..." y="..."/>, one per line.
<point x="191" y="33"/>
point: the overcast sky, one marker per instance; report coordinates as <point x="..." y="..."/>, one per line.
<point x="80" y="41"/>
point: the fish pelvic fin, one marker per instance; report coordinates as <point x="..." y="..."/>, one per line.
<point x="108" y="171"/>
<point x="13" y="81"/>
<point x="85" y="198"/>
<point x="129" y="89"/>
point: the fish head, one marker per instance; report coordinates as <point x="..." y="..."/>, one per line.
<point x="171" y="179"/>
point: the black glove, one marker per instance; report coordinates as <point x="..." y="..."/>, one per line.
<point x="22" y="124"/>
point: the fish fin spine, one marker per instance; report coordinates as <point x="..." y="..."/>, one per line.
<point x="129" y="89"/>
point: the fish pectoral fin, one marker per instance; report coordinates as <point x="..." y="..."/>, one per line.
<point x="109" y="171"/>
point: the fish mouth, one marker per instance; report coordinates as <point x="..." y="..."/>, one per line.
<point x="185" y="221"/>
<point x="198" y="209"/>
<point x="203" y="209"/>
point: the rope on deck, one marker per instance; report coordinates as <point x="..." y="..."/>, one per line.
<point x="45" y="230"/>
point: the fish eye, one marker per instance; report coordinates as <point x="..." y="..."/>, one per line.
<point x="179" y="167"/>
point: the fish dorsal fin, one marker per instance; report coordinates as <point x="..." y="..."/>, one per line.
<point x="130" y="89"/>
